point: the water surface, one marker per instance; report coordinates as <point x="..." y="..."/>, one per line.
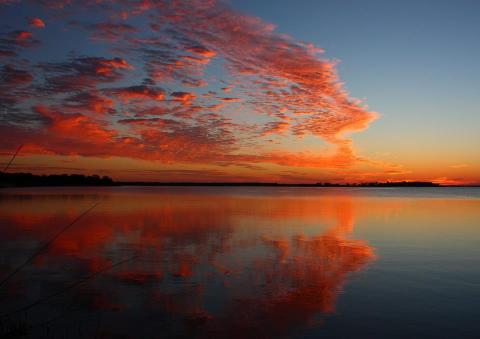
<point x="159" y="262"/>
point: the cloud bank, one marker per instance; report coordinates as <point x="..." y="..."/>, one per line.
<point x="175" y="82"/>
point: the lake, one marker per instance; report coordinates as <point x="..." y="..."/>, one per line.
<point x="240" y="262"/>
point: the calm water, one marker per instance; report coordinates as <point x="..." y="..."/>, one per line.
<point x="242" y="262"/>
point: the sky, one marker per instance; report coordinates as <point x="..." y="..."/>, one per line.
<point x="242" y="90"/>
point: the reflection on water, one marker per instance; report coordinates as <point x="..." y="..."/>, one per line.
<point x="208" y="262"/>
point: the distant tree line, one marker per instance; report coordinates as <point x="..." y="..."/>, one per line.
<point x="383" y="184"/>
<point x="29" y="179"/>
<point x="274" y="184"/>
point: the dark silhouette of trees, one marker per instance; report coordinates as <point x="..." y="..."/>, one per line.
<point x="29" y="179"/>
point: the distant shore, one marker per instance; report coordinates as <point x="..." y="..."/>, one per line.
<point x="63" y="180"/>
<point x="274" y="184"/>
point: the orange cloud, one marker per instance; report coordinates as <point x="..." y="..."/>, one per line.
<point x="275" y="127"/>
<point x="458" y="166"/>
<point x="205" y="52"/>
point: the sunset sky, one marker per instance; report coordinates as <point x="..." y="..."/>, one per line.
<point x="242" y="90"/>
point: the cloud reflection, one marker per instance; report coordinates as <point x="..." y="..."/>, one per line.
<point x="204" y="267"/>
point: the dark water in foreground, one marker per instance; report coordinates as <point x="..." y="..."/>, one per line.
<point x="242" y="262"/>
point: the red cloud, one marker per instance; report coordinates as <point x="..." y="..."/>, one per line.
<point x="138" y="92"/>
<point x="230" y="99"/>
<point x="7" y="53"/>
<point x="205" y="52"/>
<point x="106" y="66"/>
<point x="111" y="31"/>
<point x="10" y="76"/>
<point x="16" y="39"/>
<point x="36" y="22"/>
<point x="22" y="35"/>
<point x="82" y="73"/>
<point x="184" y="97"/>
<point x="68" y="126"/>
<point x="90" y="102"/>
<point x="194" y="82"/>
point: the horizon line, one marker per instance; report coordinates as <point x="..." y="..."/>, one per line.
<point x="29" y="179"/>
